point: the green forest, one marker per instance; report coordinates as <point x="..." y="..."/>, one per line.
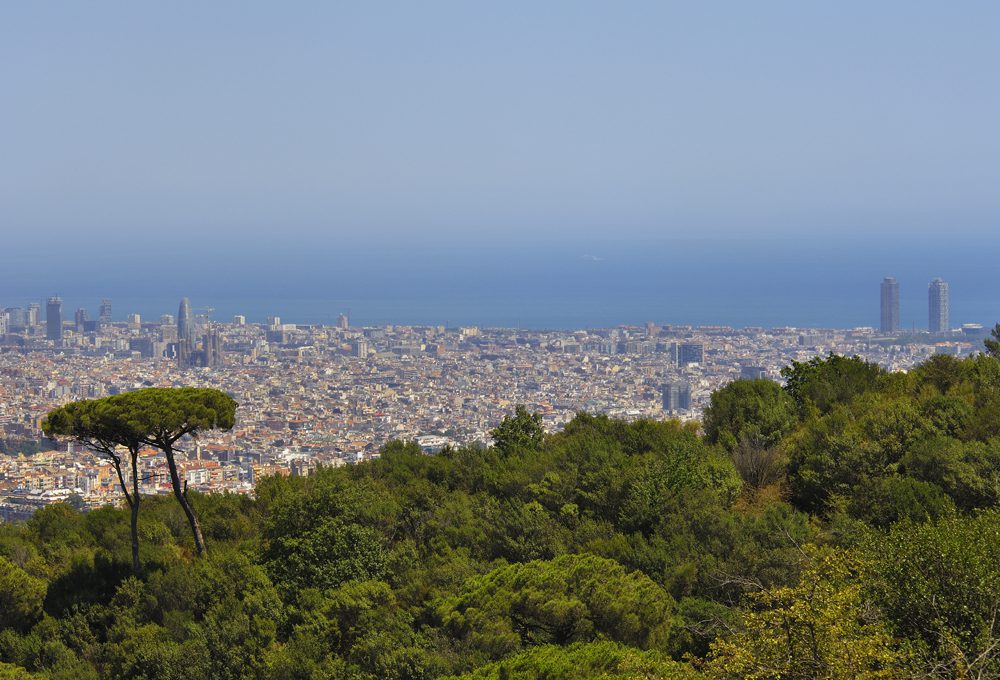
<point x="842" y="525"/>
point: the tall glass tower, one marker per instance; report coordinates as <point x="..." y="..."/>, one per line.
<point x="890" y="305"/>
<point x="185" y="322"/>
<point x="53" y="319"/>
<point x="937" y="306"/>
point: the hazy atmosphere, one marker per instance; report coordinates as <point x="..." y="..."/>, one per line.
<point x="614" y="162"/>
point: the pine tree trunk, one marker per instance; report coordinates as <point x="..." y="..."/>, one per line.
<point x="135" y="535"/>
<point x="199" y="541"/>
<point x="135" y="512"/>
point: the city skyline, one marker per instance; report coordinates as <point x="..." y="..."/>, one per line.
<point x="937" y="305"/>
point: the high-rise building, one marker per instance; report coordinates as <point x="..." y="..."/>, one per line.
<point x="690" y="353"/>
<point x="80" y="319"/>
<point x="104" y="311"/>
<point x="239" y="320"/>
<point x="676" y="396"/>
<point x="15" y="319"/>
<point x="135" y="322"/>
<point x="360" y="348"/>
<point x="185" y="322"/>
<point x="890" y="305"/>
<point x="937" y="306"/>
<point x="53" y="318"/>
<point x="185" y="333"/>
<point x="34" y="312"/>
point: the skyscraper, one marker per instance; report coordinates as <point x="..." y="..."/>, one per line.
<point x="80" y="319"/>
<point x="690" y="353"/>
<point x="185" y="322"/>
<point x="937" y="306"/>
<point x="53" y="319"/>
<point x="890" y="305"/>
<point x="676" y="396"/>
<point x="104" y="313"/>
<point x="185" y="333"/>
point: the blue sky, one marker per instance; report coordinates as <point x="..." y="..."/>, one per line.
<point x="258" y="130"/>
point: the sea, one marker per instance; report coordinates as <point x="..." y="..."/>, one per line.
<point x="823" y="281"/>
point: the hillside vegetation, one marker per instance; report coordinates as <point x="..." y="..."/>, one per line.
<point x="843" y="526"/>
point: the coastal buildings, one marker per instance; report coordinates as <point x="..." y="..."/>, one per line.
<point x="315" y="394"/>
<point x="937" y="306"/>
<point x="53" y="319"/>
<point x="890" y="306"/>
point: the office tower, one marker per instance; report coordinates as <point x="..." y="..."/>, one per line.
<point x="676" y="396"/>
<point x="185" y="322"/>
<point x="937" y="306"/>
<point x="342" y="321"/>
<point x="135" y="322"/>
<point x="274" y="321"/>
<point x="53" y="319"/>
<point x="651" y="329"/>
<point x="4" y="322"/>
<point x="360" y="348"/>
<point x="34" y="311"/>
<point x="239" y="320"/>
<point x="753" y="373"/>
<point x="15" y="319"/>
<point x="890" y="305"/>
<point x="185" y="333"/>
<point x="690" y="353"/>
<point x="104" y="311"/>
<point x="80" y="319"/>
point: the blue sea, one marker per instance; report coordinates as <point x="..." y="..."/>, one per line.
<point x="803" y="282"/>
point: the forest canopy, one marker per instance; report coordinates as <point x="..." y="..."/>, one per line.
<point x="842" y="525"/>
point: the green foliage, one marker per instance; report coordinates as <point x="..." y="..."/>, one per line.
<point x="756" y="412"/>
<point x="326" y="556"/>
<point x="21" y="597"/>
<point x="603" y="659"/>
<point x="572" y="598"/>
<point x="992" y="343"/>
<point x="519" y="432"/>
<point x="939" y="584"/>
<point x="820" y="383"/>
<point x="819" y="628"/>
<point x="608" y="549"/>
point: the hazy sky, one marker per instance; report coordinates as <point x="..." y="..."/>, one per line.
<point x="553" y="117"/>
<point x="298" y="127"/>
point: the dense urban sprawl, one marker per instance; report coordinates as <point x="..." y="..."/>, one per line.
<point x="333" y="395"/>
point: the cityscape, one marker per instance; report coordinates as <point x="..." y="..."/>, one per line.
<point x="314" y="395"/>
<point x="499" y="341"/>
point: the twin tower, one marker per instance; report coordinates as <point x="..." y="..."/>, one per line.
<point x="937" y="306"/>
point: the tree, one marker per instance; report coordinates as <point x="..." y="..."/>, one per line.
<point x="522" y="431"/>
<point x="105" y="426"/>
<point x="993" y="343"/>
<point x="939" y="585"/>
<point x="21" y="597"/>
<point x="164" y="415"/>
<point x="600" y="659"/>
<point x="757" y="412"/>
<point x="573" y="598"/>
<point x="822" y="383"/>
<point x="820" y="628"/>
